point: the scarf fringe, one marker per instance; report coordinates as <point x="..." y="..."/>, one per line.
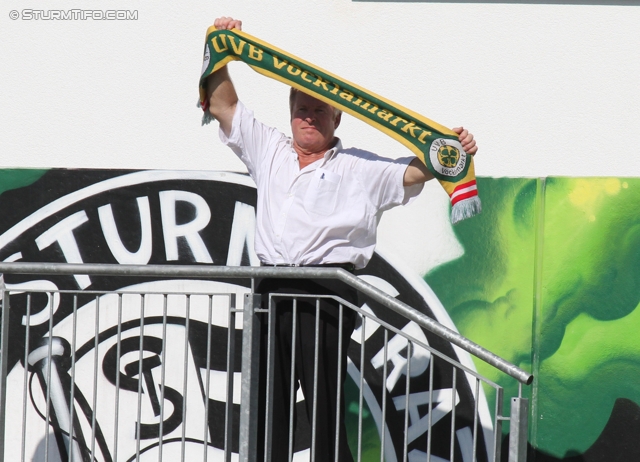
<point x="465" y="208"/>
<point x="207" y="118"/>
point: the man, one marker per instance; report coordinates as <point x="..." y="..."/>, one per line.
<point x="319" y="204"/>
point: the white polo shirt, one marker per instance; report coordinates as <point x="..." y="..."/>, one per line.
<point x="327" y="212"/>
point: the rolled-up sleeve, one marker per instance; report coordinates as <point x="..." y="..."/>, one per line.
<point x="384" y="182"/>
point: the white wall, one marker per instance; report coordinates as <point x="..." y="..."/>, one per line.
<point x="547" y="89"/>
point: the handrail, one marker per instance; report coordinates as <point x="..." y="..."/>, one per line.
<point x="250" y="272"/>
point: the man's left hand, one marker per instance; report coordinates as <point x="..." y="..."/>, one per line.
<point x="467" y="141"/>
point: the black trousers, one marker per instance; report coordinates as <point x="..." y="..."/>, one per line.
<point x="330" y="361"/>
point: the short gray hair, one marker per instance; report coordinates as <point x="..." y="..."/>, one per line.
<point x="293" y="93"/>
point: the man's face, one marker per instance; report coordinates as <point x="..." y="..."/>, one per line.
<point x="313" y="123"/>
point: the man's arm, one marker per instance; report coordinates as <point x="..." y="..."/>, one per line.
<point x="220" y="90"/>
<point x="417" y="172"/>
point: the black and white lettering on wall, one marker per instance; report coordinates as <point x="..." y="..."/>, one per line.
<point x="175" y="217"/>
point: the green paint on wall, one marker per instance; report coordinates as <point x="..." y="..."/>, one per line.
<point x="588" y="314"/>
<point x="489" y="290"/>
<point x="17" y="178"/>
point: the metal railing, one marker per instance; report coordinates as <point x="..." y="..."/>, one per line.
<point x="149" y="353"/>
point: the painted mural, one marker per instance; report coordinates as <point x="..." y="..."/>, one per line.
<point x="160" y="217"/>
<point x="550" y="280"/>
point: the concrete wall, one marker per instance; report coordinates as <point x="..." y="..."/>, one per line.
<point x="548" y="89"/>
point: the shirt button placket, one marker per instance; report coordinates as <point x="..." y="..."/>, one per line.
<point x="282" y="219"/>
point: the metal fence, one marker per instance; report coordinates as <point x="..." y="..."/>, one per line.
<point x="168" y="373"/>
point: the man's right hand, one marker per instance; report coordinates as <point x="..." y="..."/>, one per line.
<point x="227" y="23"/>
<point x="220" y="90"/>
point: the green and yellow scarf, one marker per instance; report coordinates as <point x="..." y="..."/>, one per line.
<point x="436" y="146"/>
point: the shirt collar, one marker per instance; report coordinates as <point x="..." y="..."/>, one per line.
<point x="334" y="150"/>
<point x="330" y="154"/>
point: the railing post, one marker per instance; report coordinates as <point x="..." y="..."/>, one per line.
<point x="4" y="350"/>
<point x="250" y="379"/>
<point x="497" y="431"/>
<point x="231" y="367"/>
<point x="518" y="433"/>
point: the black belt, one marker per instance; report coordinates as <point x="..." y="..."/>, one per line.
<point x="346" y="266"/>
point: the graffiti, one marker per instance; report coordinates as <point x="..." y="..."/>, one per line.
<point x="550" y="281"/>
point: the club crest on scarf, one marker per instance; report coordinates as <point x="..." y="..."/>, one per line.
<point x="447" y="157"/>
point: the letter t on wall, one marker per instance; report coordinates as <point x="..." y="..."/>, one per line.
<point x="62" y="233"/>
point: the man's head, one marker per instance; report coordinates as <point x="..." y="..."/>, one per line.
<point x="293" y="93"/>
<point x="313" y="122"/>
